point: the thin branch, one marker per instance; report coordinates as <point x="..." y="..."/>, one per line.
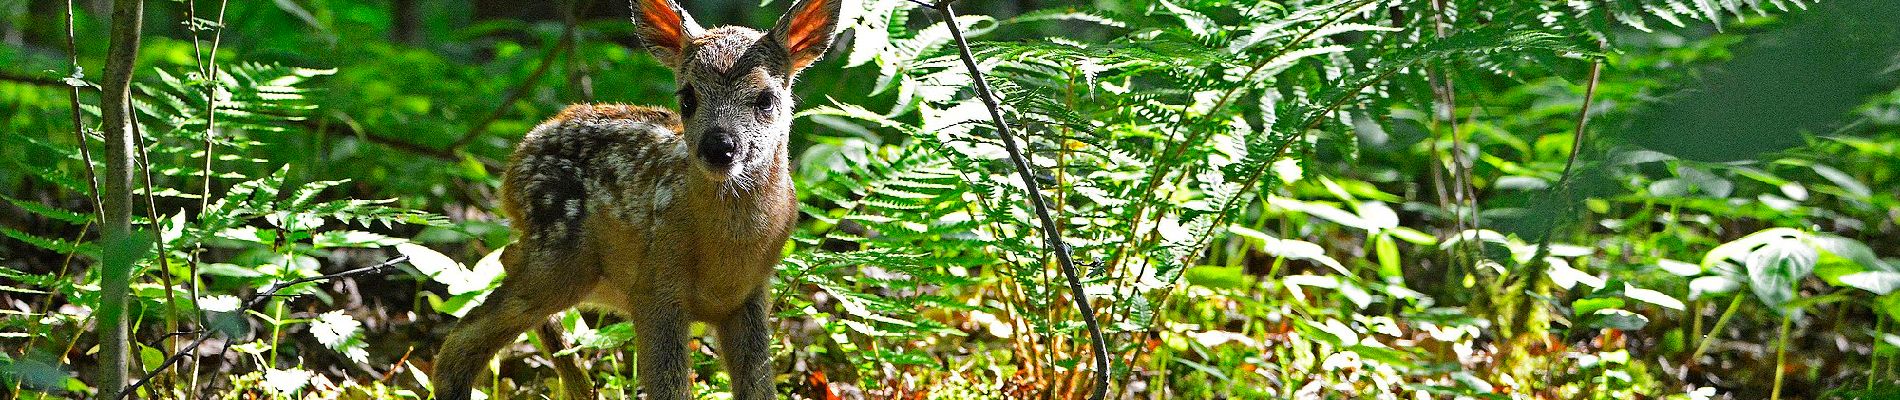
<point x="79" y="126"/>
<point x="1563" y="180"/>
<point x="208" y="71"/>
<point x="208" y="67"/>
<point x="151" y="211"/>
<point x="256" y="299"/>
<point x="31" y="80"/>
<point x="578" y="78"/>
<point x="521" y="89"/>
<point x="1052" y="238"/>
<point x="1464" y="210"/>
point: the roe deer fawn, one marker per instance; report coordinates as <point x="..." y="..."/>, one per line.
<point x="669" y="218"/>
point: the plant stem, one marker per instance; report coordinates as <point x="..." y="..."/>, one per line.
<point x="1873" y="353"/>
<point x="1052" y="238"/>
<point x="79" y="126"/>
<point x="163" y="255"/>
<point x="1781" y="356"/>
<point x="1702" y="347"/>
<point x="115" y="279"/>
<point x="208" y="70"/>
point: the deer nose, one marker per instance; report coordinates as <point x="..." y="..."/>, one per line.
<point x="716" y="147"/>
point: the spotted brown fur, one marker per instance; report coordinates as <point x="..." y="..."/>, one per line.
<point x="665" y="217"/>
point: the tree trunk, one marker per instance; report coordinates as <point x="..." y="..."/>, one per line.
<point x="406" y="22"/>
<point x="127" y="18"/>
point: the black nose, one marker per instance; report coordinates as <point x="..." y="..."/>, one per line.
<point x="716" y="147"/>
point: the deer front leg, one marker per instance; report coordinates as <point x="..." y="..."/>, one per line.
<point x="661" y="332"/>
<point x="745" y="345"/>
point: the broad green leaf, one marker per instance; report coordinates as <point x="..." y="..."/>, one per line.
<point x="1653" y="297"/>
<point x="1678" y="267"/>
<point x="1303" y="250"/>
<point x="1712" y="285"/>
<point x="1563" y="275"/>
<point x="1740" y="249"/>
<point x="1774" y="269"/>
<point x="1832" y="247"/>
<point x="1879" y="282"/>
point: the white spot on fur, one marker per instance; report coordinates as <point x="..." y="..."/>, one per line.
<point x="662" y="195"/>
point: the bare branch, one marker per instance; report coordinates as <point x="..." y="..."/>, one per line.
<point x="1052" y="237"/>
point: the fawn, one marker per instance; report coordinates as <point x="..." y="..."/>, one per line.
<point x="668" y="218"/>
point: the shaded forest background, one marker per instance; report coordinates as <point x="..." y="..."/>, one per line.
<point x="1293" y="199"/>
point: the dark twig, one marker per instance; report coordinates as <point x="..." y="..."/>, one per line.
<point x="151" y="211"/>
<point x="256" y="299"/>
<point x="1465" y="211"/>
<point x="1563" y="180"/>
<point x="208" y="71"/>
<point x="521" y="89"/>
<point x="79" y="126"/>
<point x="1052" y="238"/>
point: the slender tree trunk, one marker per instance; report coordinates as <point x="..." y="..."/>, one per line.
<point x="406" y="23"/>
<point x="127" y="18"/>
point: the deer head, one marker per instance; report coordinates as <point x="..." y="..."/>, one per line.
<point x="735" y="82"/>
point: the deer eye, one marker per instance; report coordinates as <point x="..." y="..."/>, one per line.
<point x="689" y="101"/>
<point x="763" y="104"/>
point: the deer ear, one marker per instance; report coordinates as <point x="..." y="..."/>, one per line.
<point x="806" y="32"/>
<point x="664" y="28"/>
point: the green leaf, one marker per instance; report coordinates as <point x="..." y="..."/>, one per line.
<point x="1216" y="277"/>
<point x="1653" y="297"/>
<point x="1835" y="247"/>
<point x="1413" y="236"/>
<point x="1879" y="282"/>
<point x="1563" y="275"/>
<point x="1774" y="269"/>
<point x="1388" y="253"/>
<point x="1591" y="305"/>
<point x="1616" y="319"/>
<point x="352" y="238"/>
<point x="1712" y="285"/>
<point x="149" y="357"/>
<point x="1678" y="267"/>
<point x="49" y="211"/>
<point x="340" y="332"/>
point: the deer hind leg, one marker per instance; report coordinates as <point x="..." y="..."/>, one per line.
<point x="575" y="384"/>
<point x="745" y="346"/>
<point x="526" y="297"/>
